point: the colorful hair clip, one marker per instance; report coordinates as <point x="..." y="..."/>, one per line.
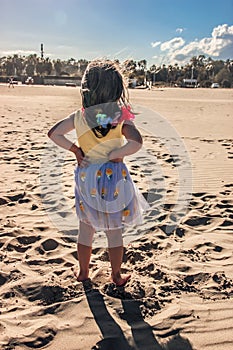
<point x="103" y="120"/>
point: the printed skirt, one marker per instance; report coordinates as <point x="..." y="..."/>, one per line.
<point x="107" y="198"/>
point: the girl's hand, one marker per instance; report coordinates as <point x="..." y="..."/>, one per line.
<point x="81" y="159"/>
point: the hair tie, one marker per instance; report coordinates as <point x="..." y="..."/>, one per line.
<point x="126" y="114"/>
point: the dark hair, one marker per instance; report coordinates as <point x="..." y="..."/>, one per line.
<point x="103" y="90"/>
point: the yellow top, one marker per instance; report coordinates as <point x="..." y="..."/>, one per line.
<point x="96" y="149"/>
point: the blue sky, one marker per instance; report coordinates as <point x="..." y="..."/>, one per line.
<point x="160" y="31"/>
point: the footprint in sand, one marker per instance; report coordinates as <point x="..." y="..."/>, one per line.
<point x="228" y="145"/>
<point x="28" y="240"/>
<point x="14" y="245"/>
<point x="50" y="244"/>
<point x="16" y="197"/>
<point x="198" y="221"/>
<point x="3" y="279"/>
<point x="3" y="201"/>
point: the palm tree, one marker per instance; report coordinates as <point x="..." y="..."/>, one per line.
<point x="130" y="65"/>
<point x="30" y="64"/>
<point x="9" y="66"/>
<point x="48" y="66"/>
<point x="201" y="60"/>
<point x="229" y="65"/>
<point x="194" y="61"/>
<point x="152" y="70"/>
<point x="210" y="71"/>
<point x="82" y="65"/>
<point x="57" y="66"/>
<point x="142" y="64"/>
<point x="18" y="64"/>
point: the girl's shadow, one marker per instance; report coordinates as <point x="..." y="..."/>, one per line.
<point x="113" y="336"/>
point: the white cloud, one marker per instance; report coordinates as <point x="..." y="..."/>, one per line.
<point x="17" y="52"/>
<point x="156" y="43"/>
<point x="222" y="31"/>
<point x="219" y="45"/>
<point x="172" y="44"/>
<point x="179" y="30"/>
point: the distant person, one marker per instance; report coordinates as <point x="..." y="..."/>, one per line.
<point x="11" y="82"/>
<point x="106" y="197"/>
<point x="149" y="84"/>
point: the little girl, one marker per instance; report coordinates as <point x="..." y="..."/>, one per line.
<point x="105" y="196"/>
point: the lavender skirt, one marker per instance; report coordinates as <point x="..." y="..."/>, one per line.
<point x="106" y="197"/>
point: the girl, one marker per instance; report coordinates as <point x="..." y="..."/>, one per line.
<point x="106" y="198"/>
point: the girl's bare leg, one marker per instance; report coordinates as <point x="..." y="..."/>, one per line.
<point x="84" y="249"/>
<point x="115" y="251"/>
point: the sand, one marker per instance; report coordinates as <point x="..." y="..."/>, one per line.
<point x="180" y="293"/>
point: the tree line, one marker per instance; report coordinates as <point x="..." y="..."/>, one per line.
<point x="204" y="70"/>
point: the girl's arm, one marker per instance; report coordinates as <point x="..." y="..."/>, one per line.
<point x="134" y="142"/>
<point x="57" y="132"/>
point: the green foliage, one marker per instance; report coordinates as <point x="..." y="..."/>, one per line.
<point x="30" y="68"/>
<point x="226" y="84"/>
<point x="205" y="83"/>
<point x="205" y="70"/>
<point x="223" y="75"/>
<point x="57" y="66"/>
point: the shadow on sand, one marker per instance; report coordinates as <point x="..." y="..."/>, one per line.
<point x="113" y="336"/>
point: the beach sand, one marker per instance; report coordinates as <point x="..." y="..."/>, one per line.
<point x="180" y="293"/>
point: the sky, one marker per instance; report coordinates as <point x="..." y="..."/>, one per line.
<point x="160" y="31"/>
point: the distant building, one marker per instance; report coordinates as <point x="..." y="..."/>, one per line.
<point x="189" y="83"/>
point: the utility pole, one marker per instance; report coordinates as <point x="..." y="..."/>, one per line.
<point x="42" y="51"/>
<point x="192" y="73"/>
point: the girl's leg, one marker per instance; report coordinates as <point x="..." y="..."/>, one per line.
<point x="84" y="249"/>
<point x="115" y="251"/>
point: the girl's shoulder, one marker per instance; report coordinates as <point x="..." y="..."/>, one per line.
<point x="80" y="123"/>
<point x="78" y="116"/>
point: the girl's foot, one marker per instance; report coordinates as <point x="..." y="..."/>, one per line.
<point x="120" y="280"/>
<point x="81" y="276"/>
